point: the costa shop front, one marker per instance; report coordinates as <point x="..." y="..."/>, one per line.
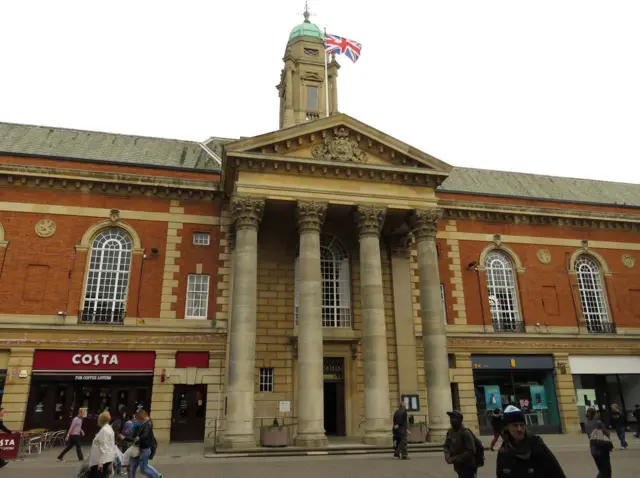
<point x="64" y="381"/>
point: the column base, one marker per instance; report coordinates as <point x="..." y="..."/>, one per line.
<point x="237" y="442"/>
<point x="312" y="440"/>
<point x="377" y="438"/>
<point x="437" y="435"/>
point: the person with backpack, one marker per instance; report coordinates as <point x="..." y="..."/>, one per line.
<point x="148" y="445"/>
<point x="461" y="448"/>
<point x="523" y="454"/>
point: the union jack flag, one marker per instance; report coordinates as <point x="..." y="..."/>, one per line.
<point x="342" y="46"/>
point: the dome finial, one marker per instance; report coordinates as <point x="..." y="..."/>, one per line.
<point x="306" y="13"/>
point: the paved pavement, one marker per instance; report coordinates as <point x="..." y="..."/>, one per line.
<point x="188" y="461"/>
<point x="577" y="464"/>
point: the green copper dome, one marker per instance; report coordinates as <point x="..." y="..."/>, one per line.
<point x="306" y="29"/>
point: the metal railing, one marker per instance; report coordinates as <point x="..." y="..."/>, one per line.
<point x="598" y="327"/>
<point x="511" y="326"/>
<point x="101" y="316"/>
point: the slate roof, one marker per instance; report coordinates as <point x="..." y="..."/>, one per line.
<point x="532" y="186"/>
<point x="108" y="147"/>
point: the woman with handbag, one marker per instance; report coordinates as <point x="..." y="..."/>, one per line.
<point x="599" y="443"/>
<point x="103" y="449"/>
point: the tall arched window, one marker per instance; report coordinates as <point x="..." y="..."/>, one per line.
<point x="108" y="277"/>
<point x="503" y="293"/>
<point x="592" y="296"/>
<point x="336" y="283"/>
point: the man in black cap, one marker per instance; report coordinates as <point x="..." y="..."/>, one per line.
<point x="523" y="453"/>
<point x="460" y="447"/>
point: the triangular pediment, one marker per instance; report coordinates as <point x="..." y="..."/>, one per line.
<point x="342" y="139"/>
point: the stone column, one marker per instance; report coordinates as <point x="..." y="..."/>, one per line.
<point x="310" y="411"/>
<point x="239" y="433"/>
<point x="377" y="407"/>
<point x="434" y="334"/>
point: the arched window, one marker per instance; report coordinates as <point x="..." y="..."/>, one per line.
<point x="592" y="297"/>
<point x="503" y="293"/>
<point x="336" y="283"/>
<point x="108" y="277"/>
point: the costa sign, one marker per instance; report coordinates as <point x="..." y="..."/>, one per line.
<point x="9" y="446"/>
<point x="80" y="362"/>
<point x="95" y="359"/>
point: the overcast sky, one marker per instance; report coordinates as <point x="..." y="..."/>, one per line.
<point x="548" y="87"/>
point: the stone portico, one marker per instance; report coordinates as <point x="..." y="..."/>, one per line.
<point x="290" y="193"/>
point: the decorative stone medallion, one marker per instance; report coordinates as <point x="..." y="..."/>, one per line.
<point x="45" y="228"/>
<point x="628" y="260"/>
<point x="544" y="256"/>
<point x="340" y="147"/>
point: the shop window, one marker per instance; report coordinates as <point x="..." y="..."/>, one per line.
<point x="201" y="239"/>
<point x="592" y="296"/>
<point x="108" y="277"/>
<point x="336" y="283"/>
<point x="503" y="294"/>
<point x="197" y="296"/>
<point x="266" y="380"/>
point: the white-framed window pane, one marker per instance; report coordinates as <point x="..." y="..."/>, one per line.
<point x="592" y="297"/>
<point x="197" y="296"/>
<point x="443" y="303"/>
<point x="266" y="379"/>
<point x="201" y="239"/>
<point x="108" y="277"/>
<point x="503" y="294"/>
<point x="335" y="286"/>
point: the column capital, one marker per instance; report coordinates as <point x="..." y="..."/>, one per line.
<point x="401" y="244"/>
<point x="425" y="223"/>
<point x="370" y="219"/>
<point x="310" y="215"/>
<point x="247" y="212"/>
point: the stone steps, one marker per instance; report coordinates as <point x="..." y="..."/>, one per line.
<point x="355" y="449"/>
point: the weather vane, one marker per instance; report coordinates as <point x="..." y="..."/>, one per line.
<point x="306" y="12"/>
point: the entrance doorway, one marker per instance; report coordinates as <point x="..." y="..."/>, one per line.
<point x="189" y="411"/>
<point x="334" y="400"/>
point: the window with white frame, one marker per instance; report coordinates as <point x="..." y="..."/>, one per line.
<point x="592" y="296"/>
<point x="197" y="296"/>
<point x="266" y="380"/>
<point x="502" y="291"/>
<point x="443" y="303"/>
<point x="108" y="277"/>
<point x="201" y="238"/>
<point x="336" y="283"/>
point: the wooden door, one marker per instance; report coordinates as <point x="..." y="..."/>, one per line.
<point x="189" y="412"/>
<point x="341" y="429"/>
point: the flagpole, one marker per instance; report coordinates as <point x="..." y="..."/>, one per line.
<point x="326" y="79"/>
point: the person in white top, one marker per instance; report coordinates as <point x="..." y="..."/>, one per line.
<point x="103" y="449"/>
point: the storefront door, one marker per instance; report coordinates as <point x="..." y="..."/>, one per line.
<point x="189" y="413"/>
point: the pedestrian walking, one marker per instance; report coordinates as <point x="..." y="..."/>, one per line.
<point x="146" y="441"/>
<point x="460" y="447"/>
<point x="3" y="429"/>
<point x="497" y="425"/>
<point x="400" y="429"/>
<point x="619" y="424"/>
<point x="103" y="449"/>
<point x="600" y="444"/>
<point x="523" y="454"/>
<point x="636" y="414"/>
<point x="73" y="436"/>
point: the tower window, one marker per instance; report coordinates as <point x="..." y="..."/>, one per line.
<point x="312" y="98"/>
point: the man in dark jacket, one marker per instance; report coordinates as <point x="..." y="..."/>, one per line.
<point x="3" y="429"/>
<point x="497" y="425"/>
<point x="400" y="429"/>
<point x="636" y="415"/>
<point x="619" y="424"/>
<point x="523" y="454"/>
<point x="460" y="447"/>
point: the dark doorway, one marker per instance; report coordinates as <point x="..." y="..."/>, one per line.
<point x="189" y="411"/>
<point x="334" y="400"/>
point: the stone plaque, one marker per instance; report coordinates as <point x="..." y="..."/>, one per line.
<point x="45" y="228"/>
<point x="628" y="260"/>
<point x="544" y="256"/>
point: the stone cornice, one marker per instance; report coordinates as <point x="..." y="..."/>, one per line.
<point x="337" y="169"/>
<point x="538" y="215"/>
<point x="87" y="181"/>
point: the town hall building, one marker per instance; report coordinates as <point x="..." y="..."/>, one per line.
<point x="316" y="276"/>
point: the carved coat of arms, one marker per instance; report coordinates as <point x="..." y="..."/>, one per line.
<point x="340" y="147"/>
<point x="45" y="228"/>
